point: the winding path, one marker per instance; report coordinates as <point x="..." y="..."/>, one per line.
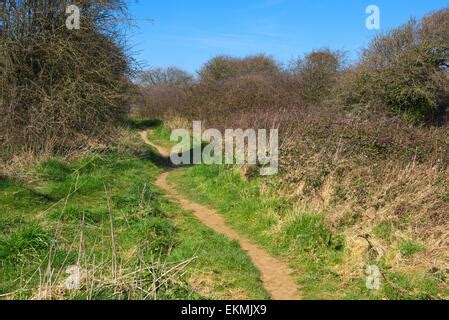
<point x="276" y="275"/>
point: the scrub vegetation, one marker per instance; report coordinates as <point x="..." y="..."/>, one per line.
<point x="364" y="155"/>
<point x="363" y="177"/>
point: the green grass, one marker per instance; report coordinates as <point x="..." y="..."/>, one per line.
<point x="103" y="213"/>
<point x="26" y="241"/>
<point x="383" y="231"/>
<point x="161" y="136"/>
<point x="222" y="267"/>
<point x="409" y="248"/>
<point x="64" y="216"/>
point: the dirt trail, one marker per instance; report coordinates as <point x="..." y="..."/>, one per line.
<point x="276" y="275"/>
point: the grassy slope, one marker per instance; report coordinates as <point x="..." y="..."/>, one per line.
<point x="62" y="217"/>
<point x="304" y="240"/>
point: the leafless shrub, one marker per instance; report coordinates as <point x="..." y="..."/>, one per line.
<point x="172" y="76"/>
<point x="159" y="90"/>
<point x="60" y="87"/>
<point x="225" y="67"/>
<point x="318" y="73"/>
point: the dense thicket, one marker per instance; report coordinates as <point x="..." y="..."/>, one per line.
<point x="405" y="70"/>
<point x="225" y="67"/>
<point x="60" y="87"/>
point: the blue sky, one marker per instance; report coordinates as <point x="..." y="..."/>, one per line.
<point x="186" y="33"/>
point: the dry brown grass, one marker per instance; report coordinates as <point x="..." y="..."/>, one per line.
<point x="364" y="172"/>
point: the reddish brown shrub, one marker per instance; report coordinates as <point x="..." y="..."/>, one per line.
<point x="224" y="67"/>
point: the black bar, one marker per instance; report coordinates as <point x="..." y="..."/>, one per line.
<point x="215" y="310"/>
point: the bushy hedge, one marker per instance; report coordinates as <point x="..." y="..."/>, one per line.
<point x="60" y="87"/>
<point x="402" y="72"/>
<point x="406" y="70"/>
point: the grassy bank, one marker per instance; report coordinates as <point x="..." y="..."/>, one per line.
<point x="302" y="238"/>
<point x="101" y="215"/>
<point x="317" y="252"/>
